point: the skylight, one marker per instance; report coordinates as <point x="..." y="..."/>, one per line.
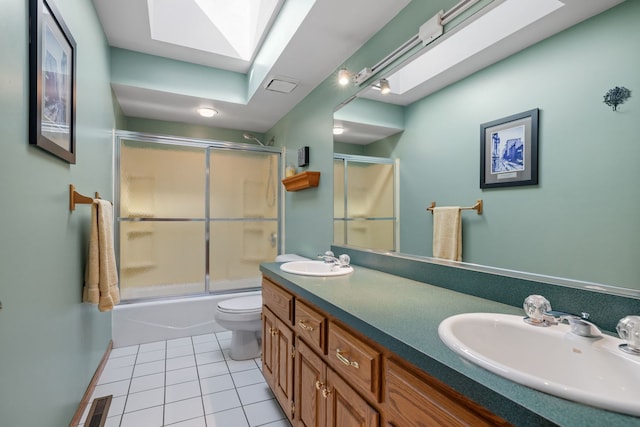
<point x="506" y="19"/>
<point x="228" y="28"/>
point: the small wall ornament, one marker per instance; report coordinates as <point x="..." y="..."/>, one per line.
<point x="616" y="96"/>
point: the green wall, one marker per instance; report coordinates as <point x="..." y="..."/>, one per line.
<point x="579" y="222"/>
<point x="50" y="343"/>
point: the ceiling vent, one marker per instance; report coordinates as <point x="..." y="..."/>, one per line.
<point x="281" y="84"/>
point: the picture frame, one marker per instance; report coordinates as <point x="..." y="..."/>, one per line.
<point x="52" y="82"/>
<point x="509" y="151"/>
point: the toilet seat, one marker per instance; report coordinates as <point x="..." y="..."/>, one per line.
<point x="242" y="305"/>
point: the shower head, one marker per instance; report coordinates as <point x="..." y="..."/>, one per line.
<point x="247" y="135"/>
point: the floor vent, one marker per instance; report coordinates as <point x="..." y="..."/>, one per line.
<point x="98" y="412"/>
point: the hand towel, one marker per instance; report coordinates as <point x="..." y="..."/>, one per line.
<point x="101" y="275"/>
<point x="447" y="233"/>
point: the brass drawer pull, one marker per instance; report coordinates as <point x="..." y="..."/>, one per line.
<point x="304" y="326"/>
<point x="340" y="355"/>
<point x="319" y="385"/>
<point x="273" y="332"/>
<point x="326" y="392"/>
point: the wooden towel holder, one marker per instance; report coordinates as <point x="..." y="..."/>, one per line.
<point x="76" y="198"/>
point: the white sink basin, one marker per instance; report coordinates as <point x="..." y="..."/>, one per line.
<point x="315" y="268"/>
<point x="593" y="371"/>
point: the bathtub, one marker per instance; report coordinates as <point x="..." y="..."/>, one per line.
<point x="145" y="322"/>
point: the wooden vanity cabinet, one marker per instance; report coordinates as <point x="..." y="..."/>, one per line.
<point x="325" y="374"/>
<point x="278" y="348"/>
<point x="323" y="398"/>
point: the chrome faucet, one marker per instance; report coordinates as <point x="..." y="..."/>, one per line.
<point x="579" y="324"/>
<point x="539" y="313"/>
<point x="330" y="258"/>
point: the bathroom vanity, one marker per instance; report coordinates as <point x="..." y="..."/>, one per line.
<point x="363" y="350"/>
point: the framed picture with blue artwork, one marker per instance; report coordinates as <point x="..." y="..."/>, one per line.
<point x="52" y="81"/>
<point x="509" y="151"/>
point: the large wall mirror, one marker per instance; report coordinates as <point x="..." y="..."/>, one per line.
<point x="578" y="226"/>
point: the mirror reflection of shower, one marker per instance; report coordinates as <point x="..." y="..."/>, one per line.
<point x="252" y="137"/>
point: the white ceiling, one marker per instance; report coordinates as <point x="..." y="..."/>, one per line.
<point x="330" y="33"/>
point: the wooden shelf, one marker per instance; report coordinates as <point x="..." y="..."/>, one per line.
<point x="302" y="181"/>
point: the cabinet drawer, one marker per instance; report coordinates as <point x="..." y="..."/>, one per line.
<point x="356" y="361"/>
<point x="310" y="325"/>
<point x="417" y="400"/>
<point x="279" y="301"/>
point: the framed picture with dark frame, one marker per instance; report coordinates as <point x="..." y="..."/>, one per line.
<point x="52" y="82"/>
<point x="509" y="151"/>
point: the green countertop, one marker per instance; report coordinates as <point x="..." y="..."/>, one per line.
<point x="403" y="315"/>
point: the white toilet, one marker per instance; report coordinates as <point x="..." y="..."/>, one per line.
<point x="242" y="317"/>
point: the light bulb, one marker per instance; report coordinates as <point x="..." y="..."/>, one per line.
<point x="344" y="77"/>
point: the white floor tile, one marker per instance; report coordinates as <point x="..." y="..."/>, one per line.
<point x="181" y="375"/>
<point x="193" y="422"/>
<point x="220" y="401"/>
<point x="212" y="369"/>
<point x="203" y="347"/>
<point x="209" y="357"/>
<point x="151" y="356"/>
<point x="184" y="350"/>
<point x="179" y="342"/>
<point x="254" y="393"/>
<point x="263" y="412"/>
<point x="153" y="346"/>
<point x="244" y="378"/>
<point x="124" y="351"/>
<point x="180" y="362"/>
<point x="110" y="375"/>
<point x="118" y="388"/>
<point x="113" y="421"/>
<point x="147" y="382"/>
<point x="144" y="399"/>
<point x="119" y="362"/>
<point x="182" y="391"/>
<point x="215" y="384"/>
<point x="280" y="423"/>
<point x="203" y="338"/>
<point x="143" y="369"/>
<point x="183" y="410"/>
<point x="151" y="417"/>
<point x="241" y="365"/>
<point x="233" y="417"/>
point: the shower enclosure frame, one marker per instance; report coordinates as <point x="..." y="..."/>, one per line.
<point x="395" y="163"/>
<point x="119" y="136"/>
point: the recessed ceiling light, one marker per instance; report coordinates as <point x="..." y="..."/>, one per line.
<point x="338" y="130"/>
<point x="207" y="112"/>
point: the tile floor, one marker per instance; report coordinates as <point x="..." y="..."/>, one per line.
<point x="186" y="382"/>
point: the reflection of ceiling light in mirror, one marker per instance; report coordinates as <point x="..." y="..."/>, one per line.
<point x="344" y="76"/>
<point x="338" y="130"/>
<point x="384" y="86"/>
<point x="207" y="112"/>
<point x="497" y="24"/>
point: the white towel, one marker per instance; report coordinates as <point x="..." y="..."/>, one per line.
<point x="447" y="233"/>
<point x="101" y="275"/>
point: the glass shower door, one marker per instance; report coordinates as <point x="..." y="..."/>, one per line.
<point x="161" y="220"/>
<point x="243" y="217"/>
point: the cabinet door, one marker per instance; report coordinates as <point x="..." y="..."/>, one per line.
<point x="310" y="382"/>
<point x="284" y="354"/>
<point x="345" y="408"/>
<point x="415" y="401"/>
<point x="269" y="331"/>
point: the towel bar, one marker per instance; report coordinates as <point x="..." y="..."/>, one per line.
<point x="77" y="198"/>
<point x="477" y="207"/>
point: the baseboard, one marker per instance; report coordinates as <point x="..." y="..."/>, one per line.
<point x="77" y="417"/>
